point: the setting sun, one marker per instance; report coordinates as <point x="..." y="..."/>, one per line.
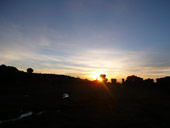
<point x="99" y="79"/>
<point x="96" y="76"/>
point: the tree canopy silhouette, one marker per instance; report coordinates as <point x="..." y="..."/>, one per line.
<point x="30" y="70"/>
<point x="103" y="76"/>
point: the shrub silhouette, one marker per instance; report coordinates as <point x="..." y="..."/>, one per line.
<point x="113" y="81"/>
<point x="30" y="70"/>
<point x="103" y="76"/>
<point x="134" y="80"/>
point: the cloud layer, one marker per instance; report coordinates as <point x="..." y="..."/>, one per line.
<point x="81" y="38"/>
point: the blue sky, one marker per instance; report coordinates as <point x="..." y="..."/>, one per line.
<point x="87" y="37"/>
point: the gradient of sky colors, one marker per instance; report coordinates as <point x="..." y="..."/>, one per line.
<point x="85" y="37"/>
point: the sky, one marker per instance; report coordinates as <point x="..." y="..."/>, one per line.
<point x="83" y="38"/>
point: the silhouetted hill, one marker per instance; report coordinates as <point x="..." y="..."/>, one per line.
<point x="9" y="74"/>
<point x="49" y="100"/>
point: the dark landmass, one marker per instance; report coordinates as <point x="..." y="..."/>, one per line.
<point x="29" y="100"/>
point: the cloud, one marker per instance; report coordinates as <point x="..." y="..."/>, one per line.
<point x="50" y="51"/>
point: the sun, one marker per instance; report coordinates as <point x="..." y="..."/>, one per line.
<point x="99" y="79"/>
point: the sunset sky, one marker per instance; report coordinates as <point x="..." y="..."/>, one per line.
<point x="87" y="37"/>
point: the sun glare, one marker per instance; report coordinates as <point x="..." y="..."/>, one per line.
<point x="99" y="79"/>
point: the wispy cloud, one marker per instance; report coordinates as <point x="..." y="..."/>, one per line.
<point x="50" y="51"/>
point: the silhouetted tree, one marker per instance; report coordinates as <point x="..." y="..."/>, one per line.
<point x="149" y="82"/>
<point x="8" y="69"/>
<point x="30" y="70"/>
<point x="3" y="66"/>
<point x="123" y="81"/>
<point x="103" y="76"/>
<point x="163" y="82"/>
<point x="134" y="80"/>
<point x="113" y="81"/>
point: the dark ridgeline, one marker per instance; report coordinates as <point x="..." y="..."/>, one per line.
<point x="68" y="101"/>
<point x="134" y="81"/>
<point x="10" y="74"/>
<point x="163" y="82"/>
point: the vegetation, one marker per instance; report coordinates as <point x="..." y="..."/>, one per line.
<point x="65" y="101"/>
<point x="30" y="70"/>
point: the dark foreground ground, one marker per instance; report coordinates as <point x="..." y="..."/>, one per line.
<point x="83" y="105"/>
<point x="44" y="100"/>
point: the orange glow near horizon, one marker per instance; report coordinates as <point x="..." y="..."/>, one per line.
<point x="99" y="79"/>
<point x="96" y="76"/>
